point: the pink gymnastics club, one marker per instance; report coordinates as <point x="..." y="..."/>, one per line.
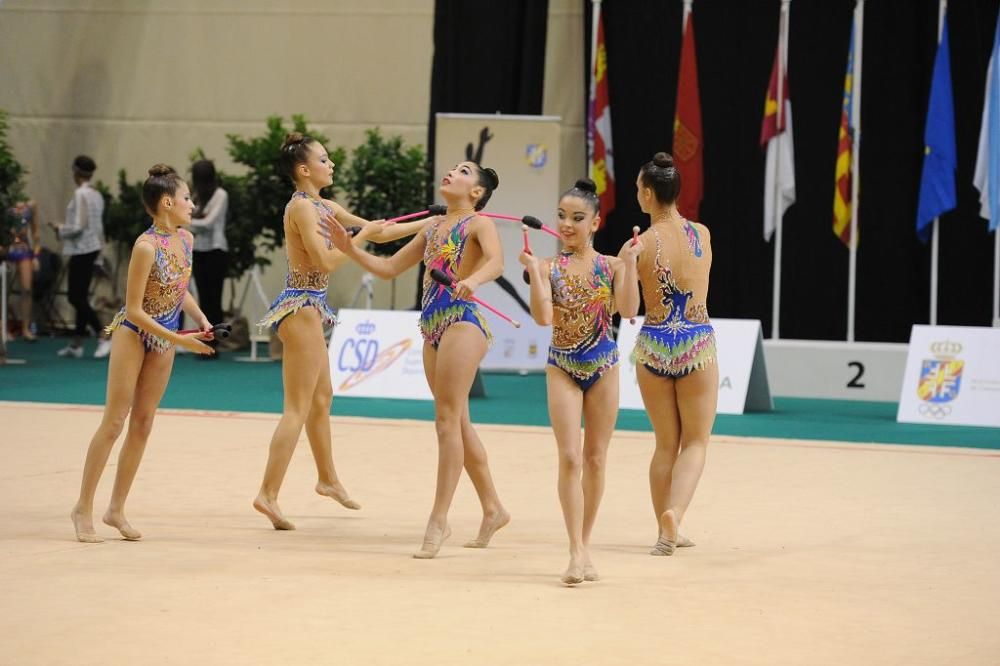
<point x="444" y="280"/>
<point x="433" y="209"/>
<point x="527" y="220"/>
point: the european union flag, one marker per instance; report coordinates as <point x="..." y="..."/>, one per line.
<point x="937" y="181"/>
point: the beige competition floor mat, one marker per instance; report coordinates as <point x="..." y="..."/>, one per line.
<point x="807" y="553"/>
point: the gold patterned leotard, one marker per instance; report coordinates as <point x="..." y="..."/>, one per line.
<point x="582" y="306"/>
<point x="165" y="288"/>
<point x="305" y="286"/>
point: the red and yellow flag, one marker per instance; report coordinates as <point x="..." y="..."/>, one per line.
<point x="600" y="155"/>
<point x="687" y="149"/>
<point x="845" y="144"/>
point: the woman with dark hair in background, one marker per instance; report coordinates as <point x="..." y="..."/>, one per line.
<point x="83" y="238"/>
<point x="143" y="337"/>
<point x="25" y="247"/>
<point x="299" y="314"/>
<point x="211" y="252"/>
<point x="576" y="293"/>
<point x="465" y="246"/>
<point x="675" y="352"/>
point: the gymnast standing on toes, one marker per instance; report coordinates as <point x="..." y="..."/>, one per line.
<point x="299" y="314"/>
<point x="675" y="352"/>
<point x="466" y="246"/>
<point x="143" y="336"/>
<point x="576" y="293"/>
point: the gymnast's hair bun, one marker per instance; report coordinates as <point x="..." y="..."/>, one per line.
<point x="663" y="160"/>
<point x="161" y="170"/>
<point x="492" y="179"/>
<point x="294" y="139"/>
<point x="586" y="185"/>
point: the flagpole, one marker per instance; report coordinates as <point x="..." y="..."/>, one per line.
<point x="593" y="86"/>
<point x="935" y="232"/>
<point x="996" y="276"/>
<point x="778" y="212"/>
<point x="852" y="270"/>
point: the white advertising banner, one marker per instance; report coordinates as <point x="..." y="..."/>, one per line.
<point x="524" y="151"/>
<point x="743" y="382"/>
<point x="952" y="376"/>
<point x="378" y="354"/>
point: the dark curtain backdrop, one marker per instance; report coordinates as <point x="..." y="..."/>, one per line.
<point x="489" y="57"/>
<point x="735" y="47"/>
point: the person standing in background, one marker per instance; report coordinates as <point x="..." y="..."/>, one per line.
<point x="83" y="238"/>
<point x="211" y="252"/>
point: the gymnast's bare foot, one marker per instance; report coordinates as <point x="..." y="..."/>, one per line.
<point x="270" y="509"/>
<point x="668" y="534"/>
<point x="84" y="526"/>
<point x="589" y="570"/>
<point x="338" y="492"/>
<point x="434" y="538"/>
<point x="684" y="542"/>
<point x="116" y="519"/>
<point x="574" y="574"/>
<point x="492" y="523"/>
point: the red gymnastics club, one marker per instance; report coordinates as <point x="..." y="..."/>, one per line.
<point x="442" y="279"/>
<point x="433" y="209"/>
<point x="528" y="221"/>
<point x="217" y="331"/>
<point x="635" y="239"/>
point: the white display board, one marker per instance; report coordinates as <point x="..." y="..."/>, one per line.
<point x="378" y="354"/>
<point x="524" y="151"/>
<point x="952" y="377"/>
<point x="869" y="371"/>
<point x="743" y="384"/>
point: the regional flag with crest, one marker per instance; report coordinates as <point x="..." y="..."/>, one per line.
<point x="687" y="149"/>
<point x="600" y="155"/>
<point x="845" y="140"/>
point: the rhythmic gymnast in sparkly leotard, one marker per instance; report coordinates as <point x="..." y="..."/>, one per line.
<point x="143" y="337"/>
<point x="675" y="351"/>
<point x="466" y="246"/>
<point x="298" y="316"/>
<point x="577" y="292"/>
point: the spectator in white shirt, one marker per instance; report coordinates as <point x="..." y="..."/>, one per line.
<point x="211" y="253"/>
<point x="83" y="238"/>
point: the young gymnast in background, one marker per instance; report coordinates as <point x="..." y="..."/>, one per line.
<point x="577" y="292"/>
<point x="465" y="246"/>
<point x="143" y="337"/>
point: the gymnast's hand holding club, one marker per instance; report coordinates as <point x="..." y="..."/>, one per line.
<point x="629" y="255"/>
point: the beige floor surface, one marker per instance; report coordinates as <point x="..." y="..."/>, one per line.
<point x="807" y="554"/>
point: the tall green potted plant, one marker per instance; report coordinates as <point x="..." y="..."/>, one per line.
<point x="385" y="178"/>
<point x="11" y="180"/>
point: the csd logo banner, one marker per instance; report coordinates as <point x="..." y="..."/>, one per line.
<point x="952" y="376"/>
<point x="378" y="354"/>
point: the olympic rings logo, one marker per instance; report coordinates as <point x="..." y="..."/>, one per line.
<point x="934" y="410"/>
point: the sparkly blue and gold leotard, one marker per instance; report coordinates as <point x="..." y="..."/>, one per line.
<point x="676" y="338"/>
<point x="165" y="289"/>
<point x="439" y="309"/>
<point x="304" y="286"/>
<point x="582" y="306"/>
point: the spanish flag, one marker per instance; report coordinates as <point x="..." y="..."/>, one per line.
<point x="687" y="148"/>
<point x="599" y="152"/>
<point x="842" y="194"/>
